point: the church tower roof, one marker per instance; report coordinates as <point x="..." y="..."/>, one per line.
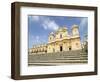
<point x="75" y="26"/>
<point x="52" y="33"/>
<point x="62" y="29"/>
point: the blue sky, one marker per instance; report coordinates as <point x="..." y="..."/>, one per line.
<point x="39" y="27"/>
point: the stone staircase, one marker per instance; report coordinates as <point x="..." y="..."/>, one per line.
<point x="58" y="58"/>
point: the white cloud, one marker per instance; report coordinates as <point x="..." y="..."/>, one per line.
<point x="49" y="24"/>
<point x="37" y="39"/>
<point x="83" y="23"/>
<point x="35" y="18"/>
<point x="83" y="28"/>
<point x="45" y="22"/>
<point x="34" y="39"/>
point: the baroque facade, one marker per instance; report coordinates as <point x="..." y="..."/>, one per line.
<point x="60" y="41"/>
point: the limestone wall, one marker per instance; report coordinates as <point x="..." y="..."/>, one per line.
<point x="60" y="41"/>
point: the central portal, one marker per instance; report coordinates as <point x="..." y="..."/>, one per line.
<point x="61" y="48"/>
<point x="70" y="48"/>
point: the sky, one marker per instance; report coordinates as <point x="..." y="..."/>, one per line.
<point x="39" y="27"/>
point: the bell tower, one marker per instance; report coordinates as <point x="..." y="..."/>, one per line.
<point x="75" y="30"/>
<point x="75" y="42"/>
<point x="51" y="37"/>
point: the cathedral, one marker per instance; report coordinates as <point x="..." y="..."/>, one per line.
<point x="59" y="41"/>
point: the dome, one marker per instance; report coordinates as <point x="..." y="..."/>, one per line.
<point x="75" y="26"/>
<point x="62" y="29"/>
<point x="52" y="33"/>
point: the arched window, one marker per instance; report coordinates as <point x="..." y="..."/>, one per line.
<point x="53" y="50"/>
<point x="50" y="38"/>
<point x="77" y="44"/>
<point x="60" y="35"/>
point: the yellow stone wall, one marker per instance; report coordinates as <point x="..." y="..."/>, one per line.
<point x="75" y="43"/>
<point x="61" y="40"/>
